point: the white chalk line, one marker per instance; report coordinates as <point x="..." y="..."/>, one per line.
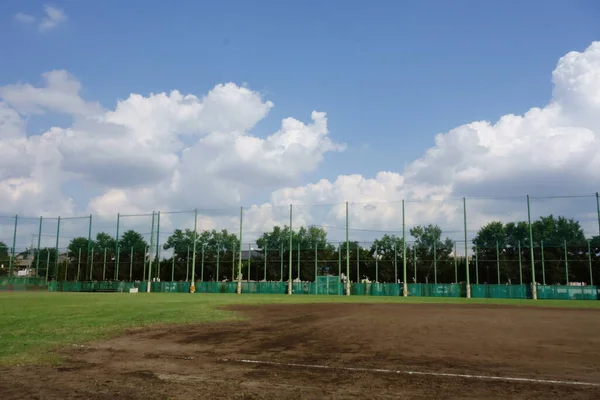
<point x="405" y="372"/>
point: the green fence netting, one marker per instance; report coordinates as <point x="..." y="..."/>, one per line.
<point x="437" y="290"/>
<point x="501" y="291"/>
<point x="329" y="285"/>
<point x="375" y="289"/>
<point x="560" y="292"/>
<point x="23" y="284"/>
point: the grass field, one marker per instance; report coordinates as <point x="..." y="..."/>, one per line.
<point x="34" y="324"/>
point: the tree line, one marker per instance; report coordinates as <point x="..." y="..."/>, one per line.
<point x="500" y="253"/>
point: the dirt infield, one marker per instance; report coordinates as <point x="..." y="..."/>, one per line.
<point x="206" y="361"/>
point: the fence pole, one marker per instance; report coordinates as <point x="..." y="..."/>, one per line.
<point x="316" y="262"/>
<point x="566" y="262"/>
<point x="91" y="266"/>
<point x="476" y="265"/>
<point x="131" y="265"/>
<point x="396" y="263"/>
<point x="357" y="262"/>
<point x="543" y="264"/>
<point x="455" y="263"/>
<point x="265" y="267"/>
<point x="104" y="266"/>
<point x="376" y="264"/>
<point x="150" y="255"/>
<point x="233" y="263"/>
<point x="187" y="264"/>
<point x="498" y="261"/>
<point x="590" y="262"/>
<point x="217" y="276"/>
<point x="202" y="264"/>
<point x="347" y="255"/>
<point x="158" y="245"/>
<point x="249" y="260"/>
<point x="434" y="262"/>
<point x="239" y="277"/>
<point x="144" y="264"/>
<point x="117" y="248"/>
<point x="66" y="271"/>
<point x="89" y="249"/>
<point x="466" y="248"/>
<point x="405" y="285"/>
<point x="534" y="290"/>
<point x="415" y="261"/>
<point x="78" y="265"/>
<point x="520" y="265"/>
<point x="39" y="243"/>
<point x="173" y="267"/>
<point x="193" y="277"/>
<point x="14" y="244"/>
<point x="290" y="266"/>
<point x="339" y="259"/>
<point x="598" y="211"/>
<point x="57" y="252"/>
<point x="281" y="262"/>
<point x="47" y="262"/>
<point x="298" y="264"/>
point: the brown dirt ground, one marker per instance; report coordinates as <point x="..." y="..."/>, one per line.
<point x="187" y="362"/>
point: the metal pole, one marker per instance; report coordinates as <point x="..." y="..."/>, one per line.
<point x="281" y="262"/>
<point x="117" y="249"/>
<point x="37" y="261"/>
<point x="104" y="266"/>
<point x="91" y="266"/>
<point x="290" y="266"/>
<point x="131" y="265"/>
<point x="498" y="261"/>
<point x="202" y="263"/>
<point x="14" y="244"/>
<point x="339" y="259"/>
<point x="347" y="255"/>
<point x="57" y="252"/>
<point x="476" y="265"/>
<point x="158" y="245"/>
<point x="376" y="265"/>
<point x="144" y="264"/>
<point x="534" y="290"/>
<point x="543" y="264"/>
<point x="357" y="262"/>
<point x="233" y="263"/>
<point x="249" y="260"/>
<point x="239" y="279"/>
<point x="316" y="263"/>
<point x="193" y="277"/>
<point x="47" y="262"/>
<point x="566" y="262"/>
<point x="466" y="249"/>
<point x="395" y="263"/>
<point x="78" y="265"/>
<point x="405" y="287"/>
<point x="415" y="261"/>
<point x="265" y="267"/>
<point x="298" y="264"/>
<point x="187" y="265"/>
<point x="217" y="276"/>
<point x="435" y="262"/>
<point x="455" y="263"/>
<point x="598" y="211"/>
<point x="150" y="255"/>
<point x="590" y="262"/>
<point x="89" y="249"/>
<point x="520" y="265"/>
<point x="173" y="267"/>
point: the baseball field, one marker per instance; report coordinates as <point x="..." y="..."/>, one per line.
<point x="182" y="346"/>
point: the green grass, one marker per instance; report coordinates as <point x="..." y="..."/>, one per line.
<point x="34" y="324"/>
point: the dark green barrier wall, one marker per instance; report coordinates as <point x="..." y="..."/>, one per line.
<point x="437" y="290"/>
<point x="567" y="292"/>
<point x="501" y="291"/>
<point x="22" y="284"/>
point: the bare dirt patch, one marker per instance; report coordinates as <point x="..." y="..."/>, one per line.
<point x="188" y="362"/>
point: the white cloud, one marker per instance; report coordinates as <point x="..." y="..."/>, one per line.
<point x="172" y="151"/>
<point x="52" y="19"/>
<point x="24" y="18"/>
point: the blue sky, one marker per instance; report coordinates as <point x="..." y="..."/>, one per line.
<point x="390" y="75"/>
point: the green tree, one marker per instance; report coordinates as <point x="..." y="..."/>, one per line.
<point x="45" y="263"/>
<point x="4" y="259"/>
<point x="431" y="251"/>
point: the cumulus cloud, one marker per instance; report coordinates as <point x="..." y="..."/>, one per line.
<point x="181" y="151"/>
<point x="52" y="18"/>
<point x="24" y="18"/>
